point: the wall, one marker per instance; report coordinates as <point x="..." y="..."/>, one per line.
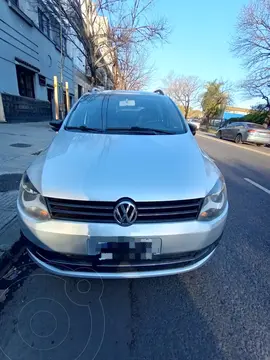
<point x="79" y="67"/>
<point x="19" y="37"/>
<point x="23" y="109"/>
<point x="82" y="80"/>
<point x="228" y="115"/>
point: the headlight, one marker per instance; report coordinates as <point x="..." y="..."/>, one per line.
<point x="215" y="202"/>
<point x="31" y="201"/>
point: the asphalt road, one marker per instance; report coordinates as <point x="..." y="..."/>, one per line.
<point x="221" y="311"/>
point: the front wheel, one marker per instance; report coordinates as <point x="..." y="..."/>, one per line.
<point x="259" y="144"/>
<point x="238" y="139"/>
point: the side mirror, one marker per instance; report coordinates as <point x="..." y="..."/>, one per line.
<point x="56" y="124"/>
<point x="193" y="128"/>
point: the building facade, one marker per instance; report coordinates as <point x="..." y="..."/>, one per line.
<point x="30" y="57"/>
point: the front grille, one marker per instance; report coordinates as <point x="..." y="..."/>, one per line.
<point x="101" y="211"/>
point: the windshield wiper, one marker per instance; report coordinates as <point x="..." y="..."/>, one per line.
<point x="83" y="128"/>
<point x="142" y="130"/>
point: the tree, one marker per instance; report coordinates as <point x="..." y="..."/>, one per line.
<point x="104" y="27"/>
<point x="252" y="45"/>
<point x="184" y="90"/>
<point x="257" y="115"/>
<point x="214" y="100"/>
<point x="134" y="70"/>
<point x="255" y="89"/>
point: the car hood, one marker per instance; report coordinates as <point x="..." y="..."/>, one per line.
<point x="107" y="167"/>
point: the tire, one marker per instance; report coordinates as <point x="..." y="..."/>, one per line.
<point x="259" y="144"/>
<point x="238" y="139"/>
<point x="219" y="135"/>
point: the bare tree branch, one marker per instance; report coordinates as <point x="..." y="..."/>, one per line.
<point x="102" y="30"/>
<point x="134" y="70"/>
<point x="185" y="90"/>
<point x="252" y="45"/>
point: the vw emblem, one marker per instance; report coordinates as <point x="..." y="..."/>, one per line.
<point x="125" y="213"/>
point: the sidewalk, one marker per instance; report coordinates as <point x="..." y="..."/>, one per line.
<point x="19" y="145"/>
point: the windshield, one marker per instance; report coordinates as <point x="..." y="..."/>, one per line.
<point x="88" y="113"/>
<point x="127" y="112"/>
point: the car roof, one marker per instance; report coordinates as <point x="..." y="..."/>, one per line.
<point x="123" y="92"/>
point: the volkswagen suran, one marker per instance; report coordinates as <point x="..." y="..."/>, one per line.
<point x="123" y="191"/>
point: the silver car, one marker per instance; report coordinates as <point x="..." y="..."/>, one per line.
<point x="123" y="191"/>
<point x="245" y="132"/>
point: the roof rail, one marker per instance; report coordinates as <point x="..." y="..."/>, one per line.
<point x="158" y="91"/>
<point x="94" y="90"/>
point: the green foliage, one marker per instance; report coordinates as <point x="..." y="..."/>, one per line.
<point x="214" y="100"/>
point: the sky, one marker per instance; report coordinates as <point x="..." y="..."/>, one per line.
<point x="199" y="42"/>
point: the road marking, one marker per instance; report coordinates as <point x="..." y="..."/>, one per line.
<point x="232" y="144"/>
<point x="258" y="185"/>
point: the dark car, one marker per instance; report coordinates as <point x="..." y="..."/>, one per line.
<point x="244" y="132"/>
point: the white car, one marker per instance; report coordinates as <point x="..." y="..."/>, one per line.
<point x="195" y="122"/>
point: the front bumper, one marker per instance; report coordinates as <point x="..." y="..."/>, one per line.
<point x="88" y="269"/>
<point x="179" y="242"/>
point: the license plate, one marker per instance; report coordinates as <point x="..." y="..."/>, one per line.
<point x="126" y="249"/>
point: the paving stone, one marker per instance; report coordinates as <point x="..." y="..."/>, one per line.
<point x="8" y="200"/>
<point x="10" y="235"/>
<point x="5" y="217"/>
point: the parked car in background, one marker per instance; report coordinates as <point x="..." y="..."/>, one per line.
<point x="195" y="122"/>
<point x="241" y="132"/>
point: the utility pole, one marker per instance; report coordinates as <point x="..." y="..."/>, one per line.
<point x="56" y="100"/>
<point x="62" y="59"/>
<point x="67" y="97"/>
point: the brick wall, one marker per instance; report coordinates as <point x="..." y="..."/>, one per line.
<point x="22" y="109"/>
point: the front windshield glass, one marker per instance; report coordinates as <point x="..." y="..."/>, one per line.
<point x="127" y="112"/>
<point x="144" y="111"/>
<point x="88" y="112"/>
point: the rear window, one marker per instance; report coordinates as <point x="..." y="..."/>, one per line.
<point x="255" y="126"/>
<point x="126" y="111"/>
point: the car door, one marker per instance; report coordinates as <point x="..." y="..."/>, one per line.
<point x="226" y="131"/>
<point x="233" y="131"/>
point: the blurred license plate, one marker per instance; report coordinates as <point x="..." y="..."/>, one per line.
<point x="126" y="249"/>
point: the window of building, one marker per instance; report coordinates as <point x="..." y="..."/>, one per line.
<point x="25" y="79"/>
<point x="64" y="44"/>
<point x="57" y="38"/>
<point x="79" y="91"/>
<point x="43" y="22"/>
<point x="56" y="32"/>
